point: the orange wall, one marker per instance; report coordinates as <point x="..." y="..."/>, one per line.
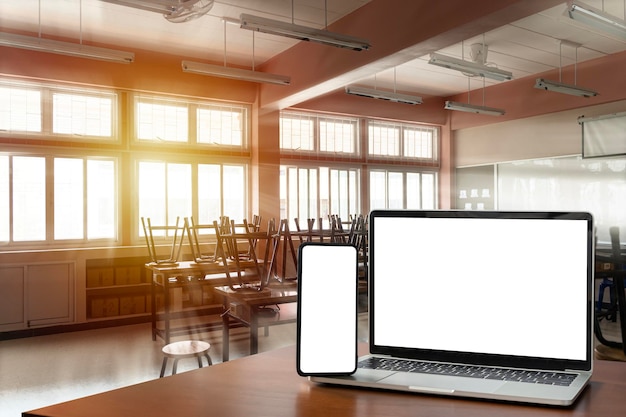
<point x="151" y="72"/>
<point x="521" y="100"/>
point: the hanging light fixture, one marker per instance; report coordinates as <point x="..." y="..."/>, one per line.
<point x="303" y="33"/>
<point x="235" y="73"/>
<point x="560" y="87"/>
<point x="473" y="108"/>
<point x="65" y="48"/>
<point x="384" y="95"/>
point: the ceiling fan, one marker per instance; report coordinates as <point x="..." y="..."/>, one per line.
<point x="175" y="11"/>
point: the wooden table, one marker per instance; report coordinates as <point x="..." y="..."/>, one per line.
<point x="268" y="385"/>
<point x="165" y="277"/>
<point x="249" y="308"/>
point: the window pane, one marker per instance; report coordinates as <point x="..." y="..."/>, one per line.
<point x="77" y="114"/>
<point x="29" y="198"/>
<point x="413" y="191"/>
<point x="166" y="122"/>
<point x="283" y="192"/>
<point x="68" y="198"/>
<point x="296" y="133"/>
<point x="4" y="197"/>
<point x="313" y="194"/>
<point x="178" y="192"/>
<point x="292" y="192"/>
<point x="396" y="190"/>
<point x="378" y="190"/>
<point x="234" y="192"/>
<point x="418" y="143"/>
<point x="324" y="193"/>
<point x="151" y="190"/>
<point x="354" y="196"/>
<point x="209" y="193"/>
<point x="303" y="195"/>
<point x="428" y="192"/>
<point x="384" y="140"/>
<point x="221" y="126"/>
<point x="337" y="136"/>
<point x="101" y="202"/>
<point x="20" y="110"/>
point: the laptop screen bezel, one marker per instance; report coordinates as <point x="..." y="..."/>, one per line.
<point x="481" y="358"/>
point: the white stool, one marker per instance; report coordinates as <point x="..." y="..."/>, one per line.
<point x="185" y="349"/>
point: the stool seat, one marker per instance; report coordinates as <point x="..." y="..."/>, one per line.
<point x="609" y="353"/>
<point x="185" y="349"/>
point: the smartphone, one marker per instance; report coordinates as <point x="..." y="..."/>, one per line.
<point x="327" y="309"/>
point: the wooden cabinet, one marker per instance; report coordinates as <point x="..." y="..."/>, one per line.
<point x="36" y="295"/>
<point x="116" y="288"/>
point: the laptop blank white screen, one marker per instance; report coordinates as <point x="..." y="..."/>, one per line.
<point x="484" y="285"/>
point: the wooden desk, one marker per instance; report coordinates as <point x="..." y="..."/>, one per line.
<point x="268" y="385"/>
<point x="165" y="277"/>
<point x="247" y="308"/>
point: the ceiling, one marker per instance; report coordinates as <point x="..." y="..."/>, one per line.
<point x="525" y="47"/>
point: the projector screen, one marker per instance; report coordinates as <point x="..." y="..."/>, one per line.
<point x="604" y="135"/>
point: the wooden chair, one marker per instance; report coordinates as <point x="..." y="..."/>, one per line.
<point x="608" y="349"/>
<point x="177" y="234"/>
<point x="282" y="249"/>
<point x="199" y="236"/>
<point x="229" y="237"/>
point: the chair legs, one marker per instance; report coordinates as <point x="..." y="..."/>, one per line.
<point x="175" y="364"/>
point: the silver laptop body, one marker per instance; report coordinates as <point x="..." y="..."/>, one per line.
<point x="504" y="290"/>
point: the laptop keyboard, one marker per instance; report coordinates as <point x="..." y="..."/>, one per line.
<point x="470" y="371"/>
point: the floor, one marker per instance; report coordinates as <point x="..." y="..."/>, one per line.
<point x="43" y="370"/>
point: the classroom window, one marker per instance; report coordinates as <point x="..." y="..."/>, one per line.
<point x="296" y="132"/>
<point x="304" y="132"/>
<point x="398" y="140"/>
<point x="53" y="111"/>
<point x="222" y="125"/>
<point x="319" y="192"/>
<point x="82" y="114"/>
<point x="402" y="190"/>
<point x="57" y="199"/>
<point x="166" y="191"/>
<point x="162" y="121"/>
<point x="194" y="123"/>
<point x="20" y="109"/>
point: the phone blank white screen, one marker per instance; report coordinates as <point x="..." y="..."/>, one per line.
<point x="328" y="309"/>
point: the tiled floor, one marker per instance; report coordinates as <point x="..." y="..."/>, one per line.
<point x="44" y="370"/>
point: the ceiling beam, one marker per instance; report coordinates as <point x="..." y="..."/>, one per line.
<point x="399" y="31"/>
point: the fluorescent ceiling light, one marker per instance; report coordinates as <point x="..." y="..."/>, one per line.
<point x="303" y="33"/>
<point x="65" y="48"/>
<point x="563" y="88"/>
<point x="235" y="73"/>
<point x="595" y="18"/>
<point x="175" y="11"/>
<point x="383" y="95"/>
<point x="468" y="67"/>
<point x="470" y="108"/>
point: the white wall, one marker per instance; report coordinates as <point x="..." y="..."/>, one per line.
<point x="556" y="134"/>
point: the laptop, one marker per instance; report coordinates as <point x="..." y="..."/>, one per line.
<point x="484" y="304"/>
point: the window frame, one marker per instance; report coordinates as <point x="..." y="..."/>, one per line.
<point x="402" y="146"/>
<point x="46" y="132"/>
<point x="317" y="119"/>
<point x="285" y="190"/>
<point x="194" y="162"/>
<point x="50" y="241"/>
<point x="192" y="107"/>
